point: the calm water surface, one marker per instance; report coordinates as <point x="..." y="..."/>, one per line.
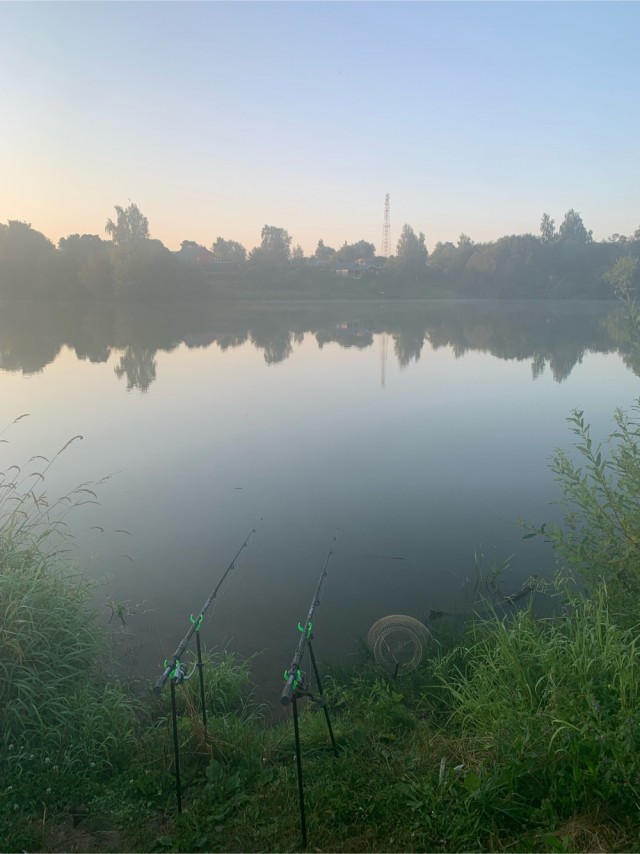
<point x="422" y="431"/>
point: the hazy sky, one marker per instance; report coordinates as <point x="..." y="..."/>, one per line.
<point x="218" y="118"/>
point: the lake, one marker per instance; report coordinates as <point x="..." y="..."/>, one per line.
<point x="421" y="431"/>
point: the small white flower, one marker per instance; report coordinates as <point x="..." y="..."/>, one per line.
<point x="46" y="760"/>
<point x="31" y="756"/>
<point x="15" y="807"/>
<point x="93" y="764"/>
<point x="55" y="767"/>
<point x="49" y="790"/>
<point x="11" y="747"/>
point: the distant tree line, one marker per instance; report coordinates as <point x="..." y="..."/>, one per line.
<point x="558" y="263"/>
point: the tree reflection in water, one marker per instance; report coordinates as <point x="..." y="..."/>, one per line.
<point x="138" y="365"/>
<point x="553" y="334"/>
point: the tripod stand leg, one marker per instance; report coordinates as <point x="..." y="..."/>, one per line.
<point x="324" y="704"/>
<point x="176" y="750"/>
<point x="303" y="823"/>
<point x="200" y="670"/>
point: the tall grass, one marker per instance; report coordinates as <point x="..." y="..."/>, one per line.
<point x="62" y="724"/>
<point x="555" y="705"/>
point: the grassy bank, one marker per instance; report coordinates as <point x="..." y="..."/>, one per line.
<point x="523" y="734"/>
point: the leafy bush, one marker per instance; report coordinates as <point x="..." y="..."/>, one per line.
<point x="600" y="539"/>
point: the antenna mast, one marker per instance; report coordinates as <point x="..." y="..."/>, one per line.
<point x="386" y="228"/>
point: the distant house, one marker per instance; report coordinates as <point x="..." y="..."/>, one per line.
<point x="197" y="255"/>
<point x="358" y="269"/>
<point x="193" y="253"/>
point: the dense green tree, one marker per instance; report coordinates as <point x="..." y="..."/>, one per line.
<point x="191" y="246"/>
<point x="465" y="242"/>
<point x="86" y="268"/>
<point x="444" y="257"/>
<point x="149" y="270"/>
<point x="324" y="253"/>
<point x="349" y="253"/>
<point x="28" y="262"/>
<point x="130" y="226"/>
<point x="483" y="261"/>
<point x="276" y="242"/>
<point x="411" y="252"/>
<point x="270" y="260"/>
<point x="547" y="229"/>
<point x="622" y="275"/>
<point x="572" y="228"/>
<point x="229" y="251"/>
<point x="144" y="268"/>
<point x="518" y="271"/>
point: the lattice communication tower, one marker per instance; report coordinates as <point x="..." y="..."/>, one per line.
<point x="386" y="228"/>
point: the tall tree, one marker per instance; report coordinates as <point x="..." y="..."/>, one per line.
<point x="271" y="258"/>
<point x="276" y="242"/>
<point x="324" y="253"/>
<point x="130" y="226"/>
<point x="547" y="229"/>
<point x="411" y="251"/>
<point x="573" y="229"/>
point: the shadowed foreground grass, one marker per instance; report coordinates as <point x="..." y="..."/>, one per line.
<point x="523" y="737"/>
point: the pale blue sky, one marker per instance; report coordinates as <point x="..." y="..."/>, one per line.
<point x="217" y="118"/>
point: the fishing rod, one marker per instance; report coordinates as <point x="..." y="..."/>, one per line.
<point x="295" y="688"/>
<point x="173" y="664"/>
<point x="293" y="674"/>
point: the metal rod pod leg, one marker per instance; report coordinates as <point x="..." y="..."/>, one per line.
<point x="203" y="704"/>
<point x="176" y="750"/>
<point x="324" y="704"/>
<point x="296" y="730"/>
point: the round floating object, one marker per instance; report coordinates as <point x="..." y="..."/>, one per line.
<point x="398" y="641"/>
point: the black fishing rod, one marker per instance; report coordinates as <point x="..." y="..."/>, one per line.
<point x="293" y="675"/>
<point x="296" y="687"/>
<point x="174" y="662"/>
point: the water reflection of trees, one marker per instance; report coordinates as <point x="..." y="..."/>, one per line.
<point x="549" y="335"/>
<point x="138" y="365"/>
